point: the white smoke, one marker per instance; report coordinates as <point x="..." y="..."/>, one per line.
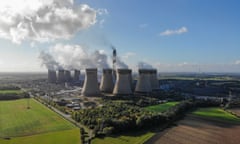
<point x="43" y="20"/>
<point x="48" y="61"/>
<point x="75" y="57"/>
<point x="120" y="64"/>
<point x="144" y="65"/>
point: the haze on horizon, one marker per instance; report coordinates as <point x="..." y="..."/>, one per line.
<point x="172" y="36"/>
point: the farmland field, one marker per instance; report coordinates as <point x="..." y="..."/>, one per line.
<point x="20" y="123"/>
<point x="11" y="91"/>
<point x="136" y="138"/>
<point x="196" y="128"/>
<point x="161" y="107"/>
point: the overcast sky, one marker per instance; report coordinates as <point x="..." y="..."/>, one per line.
<point x="170" y="35"/>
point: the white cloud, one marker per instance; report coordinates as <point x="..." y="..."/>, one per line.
<point x="44" y="20"/>
<point x="128" y="55"/>
<point x="237" y="62"/>
<point x="144" y="25"/>
<point x="174" y="32"/>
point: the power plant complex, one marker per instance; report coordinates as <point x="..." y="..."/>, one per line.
<point x="123" y="85"/>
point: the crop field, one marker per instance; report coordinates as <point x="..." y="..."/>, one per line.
<point x="202" y="127"/>
<point x="133" y="138"/>
<point x="161" y="107"/>
<point x="11" y="91"/>
<point x="22" y="124"/>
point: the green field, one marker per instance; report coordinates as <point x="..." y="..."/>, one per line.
<point x="60" y="137"/>
<point x="136" y="138"/>
<point x="11" y="91"/>
<point x="34" y="124"/>
<point x="161" y="107"/>
<point x="217" y="114"/>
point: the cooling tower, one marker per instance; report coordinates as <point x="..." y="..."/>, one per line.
<point x="107" y="81"/>
<point x="52" y="77"/>
<point x="67" y="75"/>
<point x="143" y="83"/>
<point x="76" y="75"/>
<point x="154" y="80"/>
<point x="90" y="86"/>
<point x="122" y="85"/>
<point x="61" y="77"/>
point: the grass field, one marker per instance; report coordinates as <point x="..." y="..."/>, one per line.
<point x="161" y="107"/>
<point x="60" y="137"/>
<point x="136" y="138"/>
<point x="216" y="113"/>
<point x="38" y="124"/>
<point x="11" y="91"/>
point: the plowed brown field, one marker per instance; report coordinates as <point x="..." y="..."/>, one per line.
<point x="197" y="130"/>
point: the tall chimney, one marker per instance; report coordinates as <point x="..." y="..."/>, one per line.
<point x="107" y="81"/>
<point x="61" y="77"/>
<point x="67" y="75"/>
<point x="143" y="83"/>
<point x="90" y="86"/>
<point x="154" y="80"/>
<point x="76" y="75"/>
<point x="122" y="85"/>
<point x="52" y="77"/>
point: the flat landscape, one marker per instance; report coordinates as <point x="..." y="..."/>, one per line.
<point x="203" y="126"/>
<point x="38" y="124"/>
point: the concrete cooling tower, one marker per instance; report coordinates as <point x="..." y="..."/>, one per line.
<point x="154" y="80"/>
<point x="143" y="83"/>
<point x="122" y="85"/>
<point x="107" y="81"/>
<point x="90" y="86"/>
<point x="67" y="75"/>
<point x="61" y="77"/>
<point x="76" y="75"/>
<point x="52" y="77"/>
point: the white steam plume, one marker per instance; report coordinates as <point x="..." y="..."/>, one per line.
<point x="144" y="65"/>
<point x="48" y="61"/>
<point x="77" y="57"/>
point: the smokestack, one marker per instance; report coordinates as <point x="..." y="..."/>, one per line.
<point x="143" y="83"/>
<point x="61" y="77"/>
<point x="122" y="85"/>
<point x="76" y="75"/>
<point x="90" y="87"/>
<point x="154" y="80"/>
<point x="67" y="75"/>
<point x="107" y="81"/>
<point x="52" y="77"/>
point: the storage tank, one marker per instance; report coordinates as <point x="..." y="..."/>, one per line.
<point x="52" y="76"/>
<point x="154" y="80"/>
<point x="122" y="85"/>
<point x="90" y="86"/>
<point x="67" y="75"/>
<point x="76" y="75"/>
<point x="106" y="84"/>
<point x="61" y="77"/>
<point x="143" y="83"/>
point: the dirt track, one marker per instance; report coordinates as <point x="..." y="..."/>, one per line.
<point x="197" y="130"/>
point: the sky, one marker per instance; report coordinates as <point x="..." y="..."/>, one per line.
<point x="169" y="35"/>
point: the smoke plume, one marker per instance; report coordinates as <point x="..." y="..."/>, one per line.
<point x="48" y="61"/>
<point x="144" y="65"/>
<point x="74" y="57"/>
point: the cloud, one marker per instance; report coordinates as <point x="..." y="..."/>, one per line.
<point x="144" y="25"/>
<point x="237" y="62"/>
<point x="128" y="55"/>
<point x="44" y="20"/>
<point x="174" y="32"/>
